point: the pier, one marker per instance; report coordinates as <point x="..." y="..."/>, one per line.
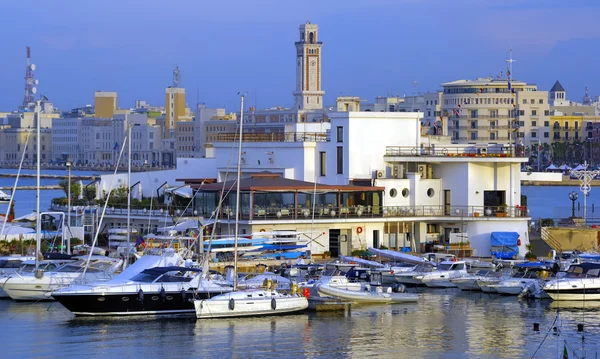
<point x="32" y="175"/>
<point x="30" y="188"/>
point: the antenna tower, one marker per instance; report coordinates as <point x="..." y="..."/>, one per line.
<point x="176" y="77"/>
<point x="30" y="83"/>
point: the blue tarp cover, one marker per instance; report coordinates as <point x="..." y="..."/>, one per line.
<point x="504" y="244"/>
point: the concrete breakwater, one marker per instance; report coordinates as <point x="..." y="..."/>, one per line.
<point x="31" y="188"/>
<point x="564" y="182"/>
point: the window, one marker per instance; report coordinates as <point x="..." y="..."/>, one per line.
<point x="566" y="125"/>
<point x="520" y="134"/>
<point x="556" y="136"/>
<point x="576" y="135"/>
<point x="340" y="160"/>
<point x="428" y="113"/>
<point x="534" y="135"/>
<point x="533" y="112"/>
<point x="473" y="135"/>
<point x="340" y="134"/>
<point x="393" y="192"/>
<point x="546" y="123"/>
<point x="590" y="134"/>
<point x="541" y="102"/>
<point x="405" y="192"/>
<point x="534" y="123"/>
<point x="323" y="163"/>
<point x="546" y="112"/>
<point x="566" y="135"/>
<point x="521" y="112"/>
<point x="474" y="114"/>
<point x="546" y="134"/>
<point x="532" y="101"/>
<point x="473" y="124"/>
<point x="556" y="126"/>
<point x="524" y="102"/>
<point x="576" y="125"/>
<point x="494" y="113"/>
<point x="493" y="136"/>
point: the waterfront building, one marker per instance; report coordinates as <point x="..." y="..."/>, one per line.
<point x="13" y="141"/>
<point x="184" y="138"/>
<point x="105" y="104"/>
<point x="499" y="111"/>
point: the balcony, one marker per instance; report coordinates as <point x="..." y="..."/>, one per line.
<point x="464" y="151"/>
<point x="272" y="137"/>
<point x="282" y="213"/>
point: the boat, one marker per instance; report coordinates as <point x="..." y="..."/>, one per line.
<point x="580" y="283"/>
<point x="249" y="302"/>
<point x="413" y="277"/>
<point x="4" y="197"/>
<point x="9" y="265"/>
<point x="527" y="279"/>
<point x="440" y="278"/>
<point x="373" y="293"/>
<point x="40" y="284"/>
<point x="152" y="285"/>
<point x="469" y="281"/>
<point x="118" y="236"/>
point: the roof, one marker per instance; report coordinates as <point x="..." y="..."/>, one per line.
<point x="557" y="87"/>
<point x="267" y="181"/>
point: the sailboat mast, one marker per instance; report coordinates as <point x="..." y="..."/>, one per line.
<point x="128" y="192"/>
<point x="237" y="198"/>
<point x="38" y="224"/>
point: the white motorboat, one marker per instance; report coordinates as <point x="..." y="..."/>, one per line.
<point x="40" y="284"/>
<point x="9" y="265"/>
<point x="440" y="278"/>
<point x="469" y="281"/>
<point x="413" y="278"/>
<point x="250" y="302"/>
<point x="581" y="283"/>
<point x="4" y="197"/>
<point x="528" y="279"/>
<point x="118" y="236"/>
<point x="373" y="294"/>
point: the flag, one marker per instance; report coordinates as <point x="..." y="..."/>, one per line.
<point x="116" y="146"/>
<point x="140" y="241"/>
<point x="565" y="352"/>
<point x="509" y="87"/>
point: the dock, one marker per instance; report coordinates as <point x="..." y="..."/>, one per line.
<point x="30" y="188"/>
<point x="46" y="176"/>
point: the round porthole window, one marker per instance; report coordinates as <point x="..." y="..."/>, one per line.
<point x="405" y="192"/>
<point x="393" y="192"/>
<point x="430" y="192"/>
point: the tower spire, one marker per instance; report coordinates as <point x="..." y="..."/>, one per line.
<point x="308" y="94"/>
<point x="509" y="65"/>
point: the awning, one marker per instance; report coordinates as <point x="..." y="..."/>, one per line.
<point x="185" y="191"/>
<point x="179" y="227"/>
<point x="15" y="230"/>
<point x="31" y="217"/>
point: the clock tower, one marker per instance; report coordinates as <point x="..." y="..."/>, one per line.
<point x="308" y="94"/>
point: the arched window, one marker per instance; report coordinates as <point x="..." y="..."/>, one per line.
<point x="311" y="37"/>
<point x="556" y="125"/>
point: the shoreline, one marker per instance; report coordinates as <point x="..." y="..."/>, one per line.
<point x="108" y="170"/>
<point x="563" y="183"/>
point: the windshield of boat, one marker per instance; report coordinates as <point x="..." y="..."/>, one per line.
<point x="445" y="266"/>
<point x="580" y="272"/>
<point x="151" y="276"/>
<point x="10" y="264"/>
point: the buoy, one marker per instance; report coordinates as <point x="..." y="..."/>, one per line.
<point x="273" y="304"/>
<point x="231" y="304"/>
<point x="306" y="292"/>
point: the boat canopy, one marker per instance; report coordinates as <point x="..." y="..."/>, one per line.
<point x="402" y="257"/>
<point x="364" y="262"/>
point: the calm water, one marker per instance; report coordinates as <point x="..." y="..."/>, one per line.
<point x="25" y="200"/>
<point x="444" y="324"/>
<point x="554" y="202"/>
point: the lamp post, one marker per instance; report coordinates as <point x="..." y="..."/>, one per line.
<point x="68" y="164"/>
<point x="573" y="197"/>
<point x="585" y="176"/>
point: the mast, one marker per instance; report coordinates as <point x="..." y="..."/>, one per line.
<point x="128" y="192"/>
<point x="38" y="224"/>
<point x="237" y="198"/>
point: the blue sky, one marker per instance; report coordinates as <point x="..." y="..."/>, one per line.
<point x="371" y="47"/>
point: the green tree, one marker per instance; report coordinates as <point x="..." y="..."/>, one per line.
<point x="75" y="188"/>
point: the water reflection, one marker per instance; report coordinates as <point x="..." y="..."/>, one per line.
<point x="443" y="324"/>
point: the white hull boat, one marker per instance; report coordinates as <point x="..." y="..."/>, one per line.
<point x="251" y="302"/>
<point x="581" y="283"/>
<point x="486" y="285"/>
<point x="8" y="266"/>
<point x="375" y="295"/>
<point x="469" y="282"/>
<point x="446" y="271"/>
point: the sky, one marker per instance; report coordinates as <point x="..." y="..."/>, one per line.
<point x="370" y="47"/>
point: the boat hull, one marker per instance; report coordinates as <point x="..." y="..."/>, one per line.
<point x="466" y="284"/>
<point x="34" y="289"/>
<point x="207" y="309"/>
<point x="123" y="304"/>
<point x="579" y="294"/>
<point x="366" y="296"/>
<point x="439" y="283"/>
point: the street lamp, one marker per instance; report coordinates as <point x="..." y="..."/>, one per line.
<point x="573" y="197"/>
<point x="68" y="164"/>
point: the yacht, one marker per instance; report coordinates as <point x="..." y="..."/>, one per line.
<point x="413" y="277"/>
<point x="40" y="284"/>
<point x="4" y="198"/>
<point x="581" y="282"/>
<point x="469" y="282"/>
<point x="9" y="265"/>
<point x="441" y="277"/>
<point x="118" y="236"/>
<point x="528" y="279"/>
<point x="152" y="285"/>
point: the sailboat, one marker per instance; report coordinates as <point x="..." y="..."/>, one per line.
<point x="249" y="302"/>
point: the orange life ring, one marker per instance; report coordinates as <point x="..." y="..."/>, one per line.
<point x="359" y="230"/>
<point x="262" y="230"/>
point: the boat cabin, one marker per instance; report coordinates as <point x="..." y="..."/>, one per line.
<point x="166" y="275"/>
<point x="584" y="270"/>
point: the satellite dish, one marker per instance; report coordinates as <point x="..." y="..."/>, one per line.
<point x="33" y="90"/>
<point x="32" y="67"/>
<point x="36" y="81"/>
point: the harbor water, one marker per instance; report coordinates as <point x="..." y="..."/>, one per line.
<point x="443" y="324"/>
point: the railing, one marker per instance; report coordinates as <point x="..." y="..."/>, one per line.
<point x="439" y="151"/>
<point x="550" y="240"/>
<point x="360" y="211"/>
<point x="272" y="137"/>
<point x="158" y="210"/>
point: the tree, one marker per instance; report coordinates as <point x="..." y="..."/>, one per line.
<point x="75" y="188"/>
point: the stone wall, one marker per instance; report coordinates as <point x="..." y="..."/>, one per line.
<point x="583" y="239"/>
